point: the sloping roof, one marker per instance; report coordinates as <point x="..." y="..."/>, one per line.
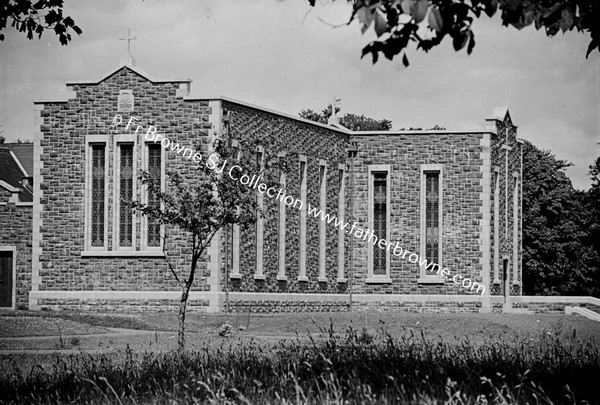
<point x="23" y="152"/>
<point x="12" y="174"/>
<point x="340" y="128"/>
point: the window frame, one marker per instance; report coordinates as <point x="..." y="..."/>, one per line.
<point x="281" y="222"/>
<point x="144" y="197"/>
<point x="424" y="170"/>
<point x="235" y="273"/>
<point x="322" y="278"/>
<point x="371" y="277"/>
<point x="496" y="222"/>
<point x="515" y="236"/>
<point x="260" y="230"/>
<point x="341" y="214"/>
<point x="302" y="217"/>
<point x="110" y="201"/>
<point x="118" y="141"/>
<point x="92" y="140"/>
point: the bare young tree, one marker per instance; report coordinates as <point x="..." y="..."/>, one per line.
<point x="201" y="206"/>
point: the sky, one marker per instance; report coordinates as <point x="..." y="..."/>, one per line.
<point x="288" y="56"/>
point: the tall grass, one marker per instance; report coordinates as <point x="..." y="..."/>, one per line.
<point x="354" y="368"/>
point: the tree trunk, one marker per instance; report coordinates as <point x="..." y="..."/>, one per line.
<point x="185" y="291"/>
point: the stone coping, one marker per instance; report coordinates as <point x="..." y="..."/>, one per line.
<point x="250" y="296"/>
<point x="524" y="299"/>
<point x="254" y="296"/>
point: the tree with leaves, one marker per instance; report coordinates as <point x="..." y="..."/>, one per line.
<point x="353" y="122"/>
<point x="34" y="17"/>
<point x="557" y="256"/>
<point x="201" y="206"/>
<point x="592" y="217"/>
<point x="427" y="22"/>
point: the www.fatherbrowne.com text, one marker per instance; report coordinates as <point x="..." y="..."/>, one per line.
<point x="254" y="182"/>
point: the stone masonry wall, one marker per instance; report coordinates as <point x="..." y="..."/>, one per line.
<point x="460" y="156"/>
<point x="264" y="306"/>
<point x="281" y="134"/>
<point x="114" y="305"/>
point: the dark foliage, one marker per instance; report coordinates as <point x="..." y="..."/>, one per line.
<point x="397" y="22"/>
<point x="34" y="17"/>
<point x="353" y="122"/>
<point x="558" y="256"/>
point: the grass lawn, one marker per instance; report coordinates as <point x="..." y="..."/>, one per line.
<point x="360" y="357"/>
<point x="476" y="327"/>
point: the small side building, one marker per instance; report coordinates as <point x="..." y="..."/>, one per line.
<point x="16" y="214"/>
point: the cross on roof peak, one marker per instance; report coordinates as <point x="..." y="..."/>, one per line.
<point x="129" y="38"/>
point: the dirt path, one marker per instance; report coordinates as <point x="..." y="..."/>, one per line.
<point x="26" y="326"/>
<point x="113" y="333"/>
<point x="108" y="341"/>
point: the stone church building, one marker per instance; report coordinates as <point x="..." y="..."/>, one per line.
<point x="68" y="241"/>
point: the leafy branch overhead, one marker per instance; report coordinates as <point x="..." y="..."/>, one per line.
<point x="33" y="18"/>
<point x="428" y="22"/>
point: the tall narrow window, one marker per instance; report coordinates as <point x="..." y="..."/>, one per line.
<point x="378" y="229"/>
<point x="98" y="195"/>
<point x="260" y="219"/>
<point x="281" y="224"/>
<point x="515" y="225"/>
<point x="302" y="221"/>
<point x="341" y="218"/>
<point x="235" y="238"/>
<point x="125" y="195"/>
<point x="496" y="226"/>
<point x="322" y="224"/>
<point x="431" y="222"/>
<point x="155" y="172"/>
<point x="506" y="181"/>
<point x="379" y="221"/>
